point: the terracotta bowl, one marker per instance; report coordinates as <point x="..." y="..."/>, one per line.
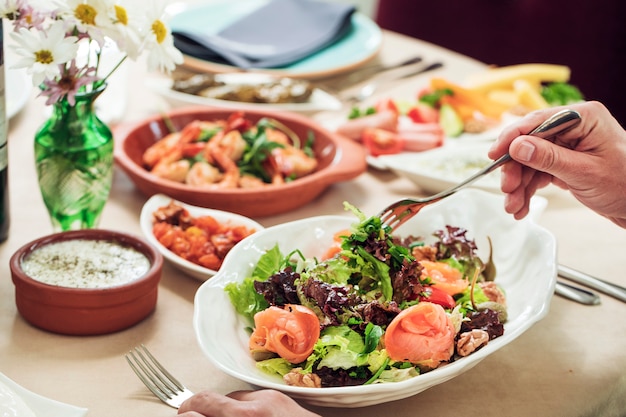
<point x="86" y="311"/>
<point x="339" y="160"/>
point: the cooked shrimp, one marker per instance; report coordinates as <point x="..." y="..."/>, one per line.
<point x="231" y="174"/>
<point x="203" y="173"/>
<point x="293" y="162"/>
<point x="274" y="135"/>
<point x="250" y="181"/>
<point x="160" y="149"/>
<point x="176" y="170"/>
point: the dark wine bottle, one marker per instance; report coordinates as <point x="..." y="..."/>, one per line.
<point x="4" y="155"/>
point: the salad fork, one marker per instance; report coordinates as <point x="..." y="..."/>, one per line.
<point x="156" y="378"/>
<point x="399" y="212"/>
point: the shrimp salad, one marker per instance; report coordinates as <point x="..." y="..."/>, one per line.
<point x="232" y="153"/>
<point x="375" y="308"/>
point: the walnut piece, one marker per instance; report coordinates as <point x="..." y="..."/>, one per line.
<point x="297" y="379"/>
<point x="491" y="290"/>
<point x="471" y="341"/>
<point x="428" y="253"/>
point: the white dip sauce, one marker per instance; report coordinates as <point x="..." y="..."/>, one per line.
<point x="85" y="263"/>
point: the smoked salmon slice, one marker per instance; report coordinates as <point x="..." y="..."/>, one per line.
<point x="291" y="332"/>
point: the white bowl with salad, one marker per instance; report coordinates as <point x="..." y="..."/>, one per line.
<point x="355" y="358"/>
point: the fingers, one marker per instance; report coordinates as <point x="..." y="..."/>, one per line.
<point x="208" y="404"/>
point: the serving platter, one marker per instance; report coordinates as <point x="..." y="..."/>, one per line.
<point x="359" y="46"/>
<point x="524" y="254"/>
<point x="319" y="100"/>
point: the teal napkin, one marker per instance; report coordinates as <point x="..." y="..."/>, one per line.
<point x="275" y="35"/>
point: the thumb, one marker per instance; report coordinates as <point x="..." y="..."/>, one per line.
<point x="545" y="156"/>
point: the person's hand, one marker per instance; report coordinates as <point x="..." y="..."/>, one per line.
<point x="262" y="403"/>
<point x="589" y="160"/>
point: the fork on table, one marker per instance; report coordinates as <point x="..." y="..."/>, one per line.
<point x="156" y="378"/>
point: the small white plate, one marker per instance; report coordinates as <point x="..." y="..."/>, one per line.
<point x="39" y="405"/>
<point x="439" y="169"/>
<point x="320" y="99"/>
<point x="190" y="268"/>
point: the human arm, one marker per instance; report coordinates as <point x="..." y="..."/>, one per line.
<point x="261" y="403"/>
<point x="589" y="161"/>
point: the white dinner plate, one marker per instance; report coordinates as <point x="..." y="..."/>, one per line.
<point x="353" y="50"/>
<point x="190" y="268"/>
<point x="18" y="87"/>
<point x="442" y="168"/>
<point x="319" y="100"/>
<point x="37" y="404"/>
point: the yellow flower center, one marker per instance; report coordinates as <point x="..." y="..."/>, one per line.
<point x="44" y="56"/>
<point x="159" y="30"/>
<point x="86" y="14"/>
<point x="121" y="15"/>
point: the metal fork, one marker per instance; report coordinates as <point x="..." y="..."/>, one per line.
<point x="158" y="380"/>
<point x="399" y="212"/>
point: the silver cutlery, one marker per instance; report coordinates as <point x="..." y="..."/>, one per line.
<point x="156" y="378"/>
<point x="577" y="294"/>
<point x="363" y="73"/>
<point x="371" y="87"/>
<point x="399" y="212"/>
<point x="613" y="290"/>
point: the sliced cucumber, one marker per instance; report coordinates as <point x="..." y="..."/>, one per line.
<point x="450" y="121"/>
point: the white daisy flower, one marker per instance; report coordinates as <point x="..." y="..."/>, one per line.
<point x="159" y="43"/>
<point x="90" y="17"/>
<point x="125" y="26"/>
<point x="41" y="52"/>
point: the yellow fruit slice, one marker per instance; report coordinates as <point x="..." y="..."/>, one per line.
<point x="504" y="77"/>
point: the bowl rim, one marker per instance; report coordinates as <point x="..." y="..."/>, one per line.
<point x="138" y="243"/>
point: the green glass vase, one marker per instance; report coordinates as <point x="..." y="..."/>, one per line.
<point x="74" y="160"/>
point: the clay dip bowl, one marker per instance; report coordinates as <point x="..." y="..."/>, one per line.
<point x="339" y="159"/>
<point x="86" y="282"/>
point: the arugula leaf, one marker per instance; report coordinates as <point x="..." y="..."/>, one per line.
<point x="373" y="333"/>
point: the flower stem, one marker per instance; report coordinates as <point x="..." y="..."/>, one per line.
<point x="106" y="77"/>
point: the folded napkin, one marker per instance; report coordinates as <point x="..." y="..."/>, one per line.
<point x="275" y="35"/>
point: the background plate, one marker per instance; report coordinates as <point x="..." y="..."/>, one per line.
<point x="320" y="99"/>
<point x="442" y="168"/>
<point x="356" y="48"/>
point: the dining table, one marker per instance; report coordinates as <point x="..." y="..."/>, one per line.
<point x="564" y="365"/>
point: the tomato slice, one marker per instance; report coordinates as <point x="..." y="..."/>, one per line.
<point x="381" y="141"/>
<point x="423" y="113"/>
<point x="438" y="296"/>
<point x="387" y="104"/>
